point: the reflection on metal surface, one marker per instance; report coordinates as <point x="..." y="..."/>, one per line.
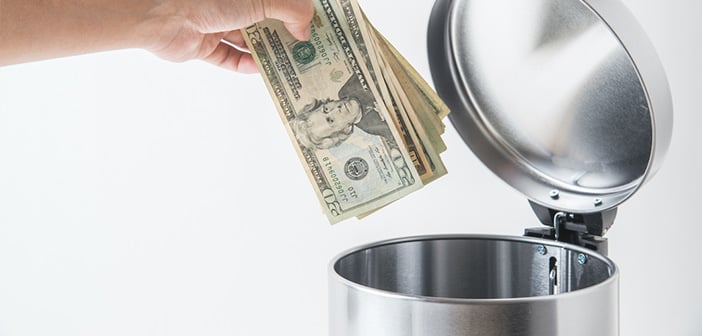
<point x="556" y="87"/>
<point x="550" y="97"/>
<point x="471" y="285"/>
<point x="469" y="268"/>
<point x="553" y="276"/>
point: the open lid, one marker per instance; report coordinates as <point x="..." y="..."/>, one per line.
<point x="565" y="100"/>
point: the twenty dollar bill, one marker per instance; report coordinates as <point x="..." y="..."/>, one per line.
<point x="361" y="140"/>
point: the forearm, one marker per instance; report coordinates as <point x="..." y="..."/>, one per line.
<point x="39" y="29"/>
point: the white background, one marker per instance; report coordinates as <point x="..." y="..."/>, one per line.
<point x="141" y="197"/>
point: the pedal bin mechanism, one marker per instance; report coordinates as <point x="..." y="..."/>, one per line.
<point x="567" y="102"/>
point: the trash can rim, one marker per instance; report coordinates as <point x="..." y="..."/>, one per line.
<point x="335" y="276"/>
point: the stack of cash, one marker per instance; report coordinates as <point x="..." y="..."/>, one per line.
<point x="366" y="126"/>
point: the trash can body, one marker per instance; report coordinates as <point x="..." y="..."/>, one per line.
<point x="472" y="285"/>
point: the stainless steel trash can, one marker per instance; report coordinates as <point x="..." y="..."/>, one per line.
<point x="473" y="285"/>
<point x="567" y="102"/>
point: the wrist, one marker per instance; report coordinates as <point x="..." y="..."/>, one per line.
<point x="158" y="25"/>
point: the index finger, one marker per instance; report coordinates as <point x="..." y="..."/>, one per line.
<point x="295" y="14"/>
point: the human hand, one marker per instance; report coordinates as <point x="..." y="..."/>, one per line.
<point x="175" y="30"/>
<point x="210" y="29"/>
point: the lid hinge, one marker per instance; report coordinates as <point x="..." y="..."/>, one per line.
<point x="586" y="230"/>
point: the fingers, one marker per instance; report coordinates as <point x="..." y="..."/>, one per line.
<point x="230" y="58"/>
<point x="232" y="53"/>
<point x="300" y="32"/>
<point x="295" y="14"/>
<point x="236" y="39"/>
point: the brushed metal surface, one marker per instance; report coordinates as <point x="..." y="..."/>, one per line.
<point x="560" y="95"/>
<point x="471" y="285"/>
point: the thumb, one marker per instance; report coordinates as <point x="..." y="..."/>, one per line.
<point x="295" y="14"/>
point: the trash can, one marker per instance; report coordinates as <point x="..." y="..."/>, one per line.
<point x="567" y="102"/>
<point x="473" y="285"/>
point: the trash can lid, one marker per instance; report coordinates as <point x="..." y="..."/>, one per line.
<point x="565" y="100"/>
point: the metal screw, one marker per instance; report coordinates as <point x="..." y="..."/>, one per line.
<point x="582" y="259"/>
<point x="598" y="201"/>
<point x="553" y="194"/>
<point x="541" y="249"/>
